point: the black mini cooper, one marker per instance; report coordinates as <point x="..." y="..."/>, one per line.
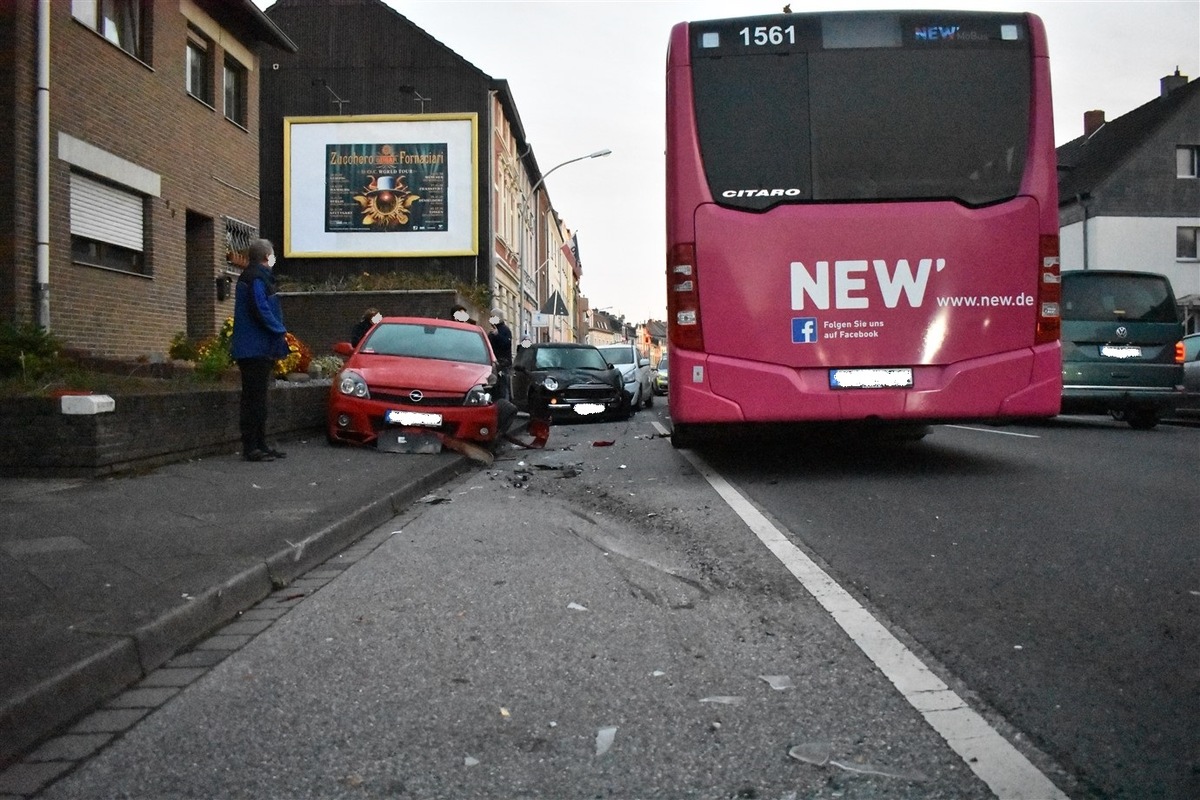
<point x="566" y="381"/>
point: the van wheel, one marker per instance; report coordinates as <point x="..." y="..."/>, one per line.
<point x="1141" y="419"/>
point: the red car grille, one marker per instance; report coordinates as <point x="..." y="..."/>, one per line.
<point x="403" y="398"/>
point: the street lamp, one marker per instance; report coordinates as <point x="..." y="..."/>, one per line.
<point x="525" y="201"/>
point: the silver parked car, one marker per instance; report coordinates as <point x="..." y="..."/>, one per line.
<point x="635" y="371"/>
<point x="1190" y="405"/>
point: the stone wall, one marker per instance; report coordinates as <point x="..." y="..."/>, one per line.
<point x="144" y="431"/>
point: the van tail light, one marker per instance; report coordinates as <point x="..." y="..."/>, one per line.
<point x="1180" y="356"/>
<point x="1049" y="320"/>
<point x="683" y="298"/>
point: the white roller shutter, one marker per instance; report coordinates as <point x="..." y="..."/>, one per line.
<point x="105" y="214"/>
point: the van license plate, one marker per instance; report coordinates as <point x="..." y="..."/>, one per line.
<point x="1120" y="351"/>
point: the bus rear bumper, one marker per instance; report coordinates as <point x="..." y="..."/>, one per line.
<point x="716" y="389"/>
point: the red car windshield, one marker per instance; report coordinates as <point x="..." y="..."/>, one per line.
<point x="428" y="341"/>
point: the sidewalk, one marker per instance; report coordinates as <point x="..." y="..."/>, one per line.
<point x="101" y="581"/>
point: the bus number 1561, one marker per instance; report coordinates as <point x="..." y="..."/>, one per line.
<point x="776" y="34"/>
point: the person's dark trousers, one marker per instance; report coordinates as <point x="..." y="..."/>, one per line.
<point x="503" y="385"/>
<point x="256" y="377"/>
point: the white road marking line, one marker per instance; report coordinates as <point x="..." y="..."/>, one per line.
<point x="1007" y="772"/>
<point x="993" y="430"/>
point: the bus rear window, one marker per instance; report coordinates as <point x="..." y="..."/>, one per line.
<point x="863" y="123"/>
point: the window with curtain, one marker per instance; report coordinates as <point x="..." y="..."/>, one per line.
<point x="121" y="22"/>
<point x="199" y="67"/>
<point x="236" y="91"/>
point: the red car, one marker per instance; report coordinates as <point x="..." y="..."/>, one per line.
<point x="411" y="383"/>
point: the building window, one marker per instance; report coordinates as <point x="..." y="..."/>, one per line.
<point x="1187" y="162"/>
<point x="119" y="21"/>
<point x="107" y="226"/>
<point x="1185" y="243"/>
<point x="199" y="67"/>
<point x="238" y="237"/>
<point x="236" y="90"/>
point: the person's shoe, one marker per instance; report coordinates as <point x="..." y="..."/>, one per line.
<point x="273" y="453"/>
<point x="258" y="455"/>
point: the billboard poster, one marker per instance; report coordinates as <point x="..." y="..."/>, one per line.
<point x="387" y="186"/>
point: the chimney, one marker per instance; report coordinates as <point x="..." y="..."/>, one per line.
<point x="1170" y="83"/>
<point x="1092" y="122"/>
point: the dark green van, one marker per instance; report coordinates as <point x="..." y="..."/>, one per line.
<point x="1121" y="345"/>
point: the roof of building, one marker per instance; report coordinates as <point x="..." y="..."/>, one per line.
<point x="1085" y="162"/>
<point x="257" y="24"/>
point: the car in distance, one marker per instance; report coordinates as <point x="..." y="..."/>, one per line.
<point x="414" y="378"/>
<point x="635" y="372"/>
<point x="662" y="382"/>
<point x="564" y="381"/>
<point x="1122" y="352"/>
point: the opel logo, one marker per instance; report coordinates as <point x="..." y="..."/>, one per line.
<point x="416" y="396"/>
<point x="1122" y="331"/>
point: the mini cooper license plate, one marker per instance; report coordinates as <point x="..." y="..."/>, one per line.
<point x="587" y="409"/>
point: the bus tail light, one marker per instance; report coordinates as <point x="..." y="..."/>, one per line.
<point x="683" y="298"/>
<point x="1049" y="321"/>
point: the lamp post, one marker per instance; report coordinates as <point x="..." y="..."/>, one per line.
<point x="525" y="202"/>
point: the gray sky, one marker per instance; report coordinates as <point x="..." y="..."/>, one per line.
<point x="589" y="74"/>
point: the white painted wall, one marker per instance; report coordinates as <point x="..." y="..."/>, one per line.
<point x="1138" y="243"/>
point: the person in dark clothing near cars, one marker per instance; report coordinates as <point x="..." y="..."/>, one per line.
<point x="259" y="340"/>
<point x="369" y="319"/>
<point x="502" y="343"/>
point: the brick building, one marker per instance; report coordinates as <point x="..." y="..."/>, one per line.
<point x="140" y="120"/>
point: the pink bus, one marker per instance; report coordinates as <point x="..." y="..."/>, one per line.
<point x="862" y="220"/>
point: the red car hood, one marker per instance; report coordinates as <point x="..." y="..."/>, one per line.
<point x="426" y="374"/>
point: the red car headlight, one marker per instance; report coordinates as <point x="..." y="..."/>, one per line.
<point x="478" y="396"/>
<point x="351" y="383"/>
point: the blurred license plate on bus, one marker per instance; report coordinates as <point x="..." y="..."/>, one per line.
<point x="894" y="378"/>
<point x="414" y="418"/>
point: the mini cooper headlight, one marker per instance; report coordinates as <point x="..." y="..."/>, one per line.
<point x="352" y="383"/>
<point x="478" y="396"/>
<point x="550" y="383"/>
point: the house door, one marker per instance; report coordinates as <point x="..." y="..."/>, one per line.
<point x="201" y="277"/>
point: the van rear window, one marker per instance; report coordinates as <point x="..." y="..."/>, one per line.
<point x="1103" y="298"/>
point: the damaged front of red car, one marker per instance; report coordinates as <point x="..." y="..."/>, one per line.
<point x="412" y="385"/>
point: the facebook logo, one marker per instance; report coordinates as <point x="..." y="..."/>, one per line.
<point x="804" y="330"/>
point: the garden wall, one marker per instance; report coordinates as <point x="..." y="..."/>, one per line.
<point x="144" y="431"/>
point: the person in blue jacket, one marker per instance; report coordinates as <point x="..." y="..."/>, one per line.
<point x="259" y="340"/>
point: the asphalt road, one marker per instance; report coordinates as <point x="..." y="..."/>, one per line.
<point x="1054" y="569"/>
<point x="596" y="621"/>
<point x="593" y="622"/>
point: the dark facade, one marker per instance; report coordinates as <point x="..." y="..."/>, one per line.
<point x="355" y="58"/>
